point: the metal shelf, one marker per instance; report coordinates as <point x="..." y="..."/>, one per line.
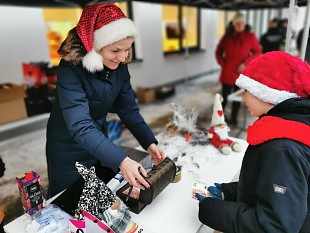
<point x="23" y="122"/>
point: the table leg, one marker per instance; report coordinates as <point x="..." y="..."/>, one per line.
<point x="244" y="122"/>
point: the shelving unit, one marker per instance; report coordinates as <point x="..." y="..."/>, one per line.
<point x="16" y="128"/>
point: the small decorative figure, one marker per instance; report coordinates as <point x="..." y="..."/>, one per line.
<point x="218" y="132"/>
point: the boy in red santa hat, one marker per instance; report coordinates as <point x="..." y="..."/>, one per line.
<point x="218" y="132"/>
<point x="272" y="194"/>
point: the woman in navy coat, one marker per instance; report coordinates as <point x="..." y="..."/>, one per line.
<point x="93" y="80"/>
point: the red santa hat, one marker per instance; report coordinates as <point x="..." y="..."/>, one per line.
<point x="101" y="25"/>
<point x="276" y="76"/>
<point x="218" y="113"/>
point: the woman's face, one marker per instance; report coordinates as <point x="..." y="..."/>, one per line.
<point x="116" y="53"/>
<point x="256" y="106"/>
<point x="239" y="26"/>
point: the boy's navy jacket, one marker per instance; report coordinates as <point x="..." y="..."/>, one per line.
<point x="272" y="194"/>
<point x="77" y="127"/>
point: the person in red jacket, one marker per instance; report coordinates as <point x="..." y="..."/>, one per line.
<point x="235" y="50"/>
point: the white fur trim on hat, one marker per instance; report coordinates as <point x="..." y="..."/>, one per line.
<point x="113" y="32"/>
<point x="263" y="92"/>
<point x="93" y="61"/>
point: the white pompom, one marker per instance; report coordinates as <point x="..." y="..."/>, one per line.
<point x="93" y="61"/>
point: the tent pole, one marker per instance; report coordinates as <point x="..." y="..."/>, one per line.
<point x="305" y="34"/>
<point x="289" y="26"/>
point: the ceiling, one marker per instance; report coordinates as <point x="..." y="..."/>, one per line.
<point x="215" y="4"/>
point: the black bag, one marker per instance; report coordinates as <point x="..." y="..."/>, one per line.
<point x="158" y="178"/>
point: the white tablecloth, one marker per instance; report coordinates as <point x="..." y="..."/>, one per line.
<point x="174" y="210"/>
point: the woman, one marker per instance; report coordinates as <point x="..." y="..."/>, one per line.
<point x="235" y="50"/>
<point x="93" y="80"/>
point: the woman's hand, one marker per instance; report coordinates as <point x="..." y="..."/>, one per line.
<point x="131" y="172"/>
<point x="156" y="152"/>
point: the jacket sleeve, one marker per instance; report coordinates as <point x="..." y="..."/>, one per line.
<point x="230" y="191"/>
<point x="219" y="52"/>
<point x="128" y="111"/>
<point x="275" y="211"/>
<point x="256" y="49"/>
<point x="75" y="109"/>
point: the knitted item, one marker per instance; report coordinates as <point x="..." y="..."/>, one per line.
<point x="269" y="127"/>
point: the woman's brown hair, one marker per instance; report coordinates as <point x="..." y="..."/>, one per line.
<point x="72" y="48"/>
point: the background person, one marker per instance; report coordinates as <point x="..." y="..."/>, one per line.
<point x="93" y="80"/>
<point x="235" y="50"/>
<point x="272" y="194"/>
<point x="273" y="38"/>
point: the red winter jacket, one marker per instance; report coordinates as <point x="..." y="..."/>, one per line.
<point x="234" y="49"/>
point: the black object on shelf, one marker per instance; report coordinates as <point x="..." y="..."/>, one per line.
<point x="37" y="100"/>
<point x="164" y="92"/>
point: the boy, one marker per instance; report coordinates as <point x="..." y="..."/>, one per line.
<point x="274" y="183"/>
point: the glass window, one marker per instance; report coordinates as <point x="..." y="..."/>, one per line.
<point x="180" y="28"/>
<point x="59" y="21"/>
<point x="190" y="24"/>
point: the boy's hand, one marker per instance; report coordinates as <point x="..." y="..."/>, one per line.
<point x="199" y="196"/>
<point x="216" y="191"/>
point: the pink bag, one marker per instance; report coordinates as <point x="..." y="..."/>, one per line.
<point x="76" y="226"/>
<point x="90" y="224"/>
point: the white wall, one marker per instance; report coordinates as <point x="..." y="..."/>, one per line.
<point x="23" y="39"/>
<point x="156" y="69"/>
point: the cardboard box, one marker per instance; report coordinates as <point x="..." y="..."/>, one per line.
<point x="12" y="106"/>
<point x="146" y="95"/>
<point x="31" y="193"/>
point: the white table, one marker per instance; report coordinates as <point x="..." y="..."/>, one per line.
<point x="174" y="210"/>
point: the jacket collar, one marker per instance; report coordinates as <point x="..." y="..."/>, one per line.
<point x="269" y="127"/>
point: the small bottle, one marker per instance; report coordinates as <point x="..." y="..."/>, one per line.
<point x="115" y="182"/>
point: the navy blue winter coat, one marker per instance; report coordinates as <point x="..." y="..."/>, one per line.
<point x="77" y="127"/>
<point x="273" y="192"/>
